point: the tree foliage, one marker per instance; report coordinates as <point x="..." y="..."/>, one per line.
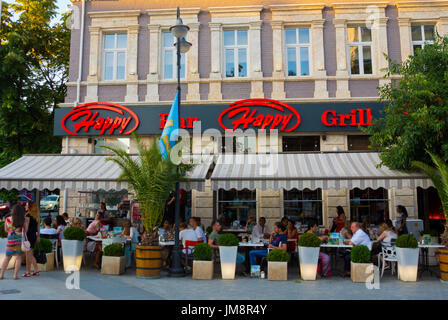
<point x="152" y="179"/>
<point x="34" y="58"/>
<point x="416" y="112"/>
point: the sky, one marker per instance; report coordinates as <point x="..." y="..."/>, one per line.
<point x="62" y="4"/>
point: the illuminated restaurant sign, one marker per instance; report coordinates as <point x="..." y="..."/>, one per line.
<point x="103" y="118"/>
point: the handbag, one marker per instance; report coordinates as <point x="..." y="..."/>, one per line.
<point x="26" y="246"/>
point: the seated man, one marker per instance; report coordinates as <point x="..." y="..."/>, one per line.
<point x="278" y="241"/>
<point x="198" y="230"/>
<point x="48" y="231"/>
<point x="359" y="238"/>
<point x="261" y="231"/>
<point x="184" y="235"/>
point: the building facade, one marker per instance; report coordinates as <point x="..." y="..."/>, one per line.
<point x="297" y="52"/>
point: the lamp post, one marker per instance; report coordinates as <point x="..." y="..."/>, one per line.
<point x="179" y="32"/>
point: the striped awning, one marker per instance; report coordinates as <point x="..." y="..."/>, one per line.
<point x="312" y="171"/>
<point x="77" y="172"/>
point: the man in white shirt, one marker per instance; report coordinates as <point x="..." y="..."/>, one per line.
<point x="261" y="231"/>
<point x="359" y="238"/>
<point x="186" y="234"/>
<point x="199" y="232"/>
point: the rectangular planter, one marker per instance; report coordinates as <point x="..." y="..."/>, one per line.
<point x="202" y="270"/>
<point x="360" y="272"/>
<point x="113" y="265"/>
<point x="228" y="262"/>
<point x="308" y="259"/>
<point x="277" y="271"/>
<point x="407" y="263"/>
<point x="49" y="266"/>
<point x="72" y="254"/>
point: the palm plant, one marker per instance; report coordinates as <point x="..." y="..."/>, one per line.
<point x="439" y="177"/>
<point x="152" y="179"/>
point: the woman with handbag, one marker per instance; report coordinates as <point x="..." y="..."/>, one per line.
<point x="33" y="236"/>
<point x="16" y="227"/>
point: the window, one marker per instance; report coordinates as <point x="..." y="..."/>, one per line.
<point x="303" y="206"/>
<point x="114" y="56"/>
<point x="300" y="143"/>
<point x="240" y="144"/>
<point x="236" y="205"/>
<point x="360" y="49"/>
<point x="369" y="204"/>
<point x="121" y="143"/>
<point x="297" y="51"/>
<point x="422" y="35"/>
<point x="358" y="142"/>
<point x="170" y="58"/>
<point x="235" y="53"/>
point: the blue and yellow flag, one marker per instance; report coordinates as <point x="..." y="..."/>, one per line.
<point x="168" y="140"/>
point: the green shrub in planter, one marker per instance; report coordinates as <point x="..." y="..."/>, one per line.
<point x="406" y="241"/>
<point x="113" y="250"/>
<point x="309" y="240"/>
<point x="74" y="233"/>
<point x="228" y="240"/>
<point x="202" y="252"/>
<point x="278" y="255"/>
<point x="3" y="233"/>
<point x="360" y="254"/>
<point x="44" y="245"/>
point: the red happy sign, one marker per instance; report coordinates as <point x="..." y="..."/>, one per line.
<point x="90" y="117"/>
<point x="244" y="113"/>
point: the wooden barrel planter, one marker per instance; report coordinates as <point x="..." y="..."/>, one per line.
<point x="443" y="259"/>
<point x="148" y="261"/>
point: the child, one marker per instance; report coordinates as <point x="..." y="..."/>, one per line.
<point x="14" y="226"/>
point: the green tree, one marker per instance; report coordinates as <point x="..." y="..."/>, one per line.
<point x="34" y="57"/>
<point x="416" y="112"/>
<point x="152" y="179"/>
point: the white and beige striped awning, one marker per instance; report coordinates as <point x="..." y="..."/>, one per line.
<point x="77" y="172"/>
<point x="312" y="171"/>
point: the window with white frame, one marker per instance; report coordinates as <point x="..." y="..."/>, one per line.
<point x="170" y="58"/>
<point x="421" y="36"/>
<point x="114" y="56"/>
<point x="235" y="53"/>
<point x="297" y="41"/>
<point x="360" y="49"/>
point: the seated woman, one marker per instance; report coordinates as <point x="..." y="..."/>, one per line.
<point x="291" y="233"/>
<point x="388" y="234"/>
<point x="345" y="232"/>
<point x="76" y="222"/>
<point x="278" y="240"/>
<point x="323" y="257"/>
<point x="95" y="246"/>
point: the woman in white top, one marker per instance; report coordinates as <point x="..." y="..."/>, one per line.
<point x="388" y="234"/>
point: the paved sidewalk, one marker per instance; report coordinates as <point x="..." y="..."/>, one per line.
<point x="94" y="285"/>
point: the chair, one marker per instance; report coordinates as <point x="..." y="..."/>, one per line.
<point x="388" y="253"/>
<point x="189" y="244"/>
<point x="292" y="247"/>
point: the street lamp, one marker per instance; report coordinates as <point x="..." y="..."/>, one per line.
<point x="179" y="31"/>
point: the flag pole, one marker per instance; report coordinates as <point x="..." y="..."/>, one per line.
<point x="176" y="269"/>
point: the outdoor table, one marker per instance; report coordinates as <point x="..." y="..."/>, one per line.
<point x="234" y="230"/>
<point x="334" y="253"/>
<point x="99" y="239"/>
<point x="424" y="248"/>
<point x="166" y="243"/>
<point x="247" y="246"/>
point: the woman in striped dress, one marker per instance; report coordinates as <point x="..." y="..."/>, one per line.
<point x="14" y="226"/>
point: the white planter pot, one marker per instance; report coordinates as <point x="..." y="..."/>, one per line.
<point x="308" y="259"/>
<point x="407" y="263"/>
<point x="3" y="242"/>
<point x="72" y="254"/>
<point x="228" y="262"/>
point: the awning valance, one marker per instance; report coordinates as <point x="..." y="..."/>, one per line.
<point x="312" y="171"/>
<point x="76" y="172"/>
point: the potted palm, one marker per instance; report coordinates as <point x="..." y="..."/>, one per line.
<point x="152" y="178"/>
<point x="439" y="177"/>
<point x="72" y="248"/>
<point x="202" y="263"/>
<point x="228" y="247"/>
<point x="278" y="265"/>
<point x="309" y="247"/>
<point x="360" y="266"/>
<point x="45" y="247"/>
<point x="407" y="256"/>
<point x="113" y="261"/>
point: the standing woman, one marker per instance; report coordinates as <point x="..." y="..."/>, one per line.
<point x="339" y="222"/>
<point x="402" y="214"/>
<point x="33" y="234"/>
<point x="14" y="226"/>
